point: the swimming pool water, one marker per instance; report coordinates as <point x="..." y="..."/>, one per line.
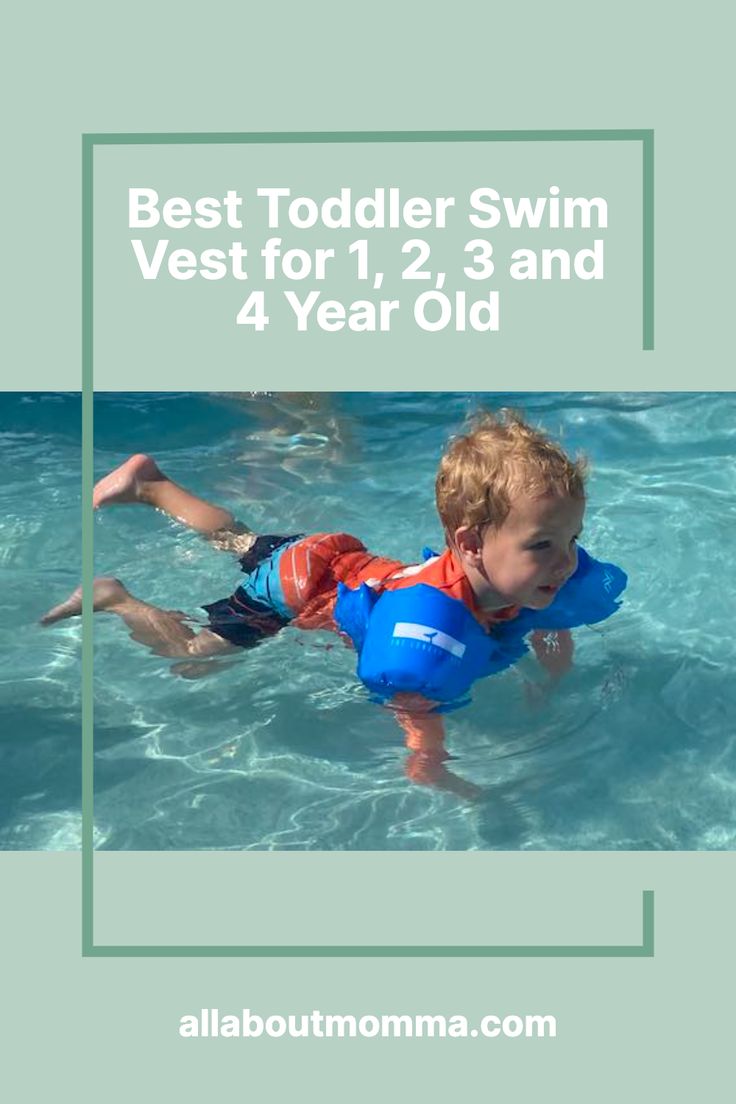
<point x="280" y="747"/>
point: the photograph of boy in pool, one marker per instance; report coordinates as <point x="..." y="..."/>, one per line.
<point x="511" y="503"/>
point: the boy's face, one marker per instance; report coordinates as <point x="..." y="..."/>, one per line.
<point x="529" y="557"/>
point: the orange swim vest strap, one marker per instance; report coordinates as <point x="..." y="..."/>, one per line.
<point x="304" y="568"/>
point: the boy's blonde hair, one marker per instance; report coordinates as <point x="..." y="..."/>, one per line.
<point x="498" y="458"/>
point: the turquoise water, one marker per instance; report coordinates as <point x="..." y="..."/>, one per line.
<point x="280" y="747"/>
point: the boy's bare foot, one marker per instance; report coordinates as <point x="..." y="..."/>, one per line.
<point x="108" y="592"/>
<point x="126" y="483"/>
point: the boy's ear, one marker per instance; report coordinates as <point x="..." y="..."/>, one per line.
<point x="469" y="544"/>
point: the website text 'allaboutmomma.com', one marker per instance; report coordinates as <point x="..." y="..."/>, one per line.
<point x="209" y="1023"/>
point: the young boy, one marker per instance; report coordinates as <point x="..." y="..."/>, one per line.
<point x="511" y="504"/>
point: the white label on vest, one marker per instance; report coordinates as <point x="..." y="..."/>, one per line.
<point x="411" y="631"/>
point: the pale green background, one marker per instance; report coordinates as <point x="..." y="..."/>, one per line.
<point x="630" y="1029"/>
<point x="656" y="1029"/>
<point x="370" y="898"/>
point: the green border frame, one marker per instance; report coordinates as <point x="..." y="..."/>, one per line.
<point x="89" y="141"/>
<point x="643" y="950"/>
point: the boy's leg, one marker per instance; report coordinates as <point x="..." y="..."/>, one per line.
<point x="163" y="631"/>
<point x="140" y="479"/>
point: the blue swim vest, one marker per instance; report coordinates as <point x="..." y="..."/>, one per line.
<point x="419" y="640"/>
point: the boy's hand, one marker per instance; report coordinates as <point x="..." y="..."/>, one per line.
<point x="554" y="650"/>
<point x="428" y="771"/>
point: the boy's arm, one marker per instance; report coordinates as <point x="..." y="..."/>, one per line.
<point x="554" y="650"/>
<point x="425" y="739"/>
